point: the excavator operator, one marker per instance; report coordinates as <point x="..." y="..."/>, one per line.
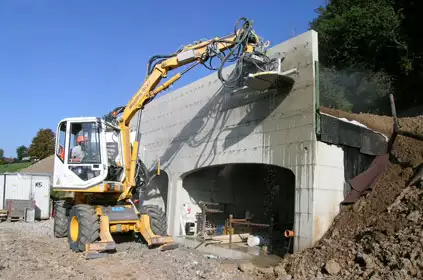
<point x="78" y="152"/>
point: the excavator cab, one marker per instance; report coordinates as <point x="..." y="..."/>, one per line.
<point x="88" y="154"/>
<point x="81" y="156"/>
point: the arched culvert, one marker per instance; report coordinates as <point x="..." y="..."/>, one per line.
<point x="256" y="191"/>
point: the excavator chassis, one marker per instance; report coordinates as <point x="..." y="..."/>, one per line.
<point x="111" y="219"/>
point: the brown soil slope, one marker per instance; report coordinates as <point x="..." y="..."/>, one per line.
<point x="383" y="124"/>
<point x="43" y="166"/>
<point x="380" y="236"/>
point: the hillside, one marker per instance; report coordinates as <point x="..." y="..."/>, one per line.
<point x="43" y="166"/>
<point x="13" y="167"/>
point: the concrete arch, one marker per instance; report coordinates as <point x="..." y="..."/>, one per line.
<point x="262" y="190"/>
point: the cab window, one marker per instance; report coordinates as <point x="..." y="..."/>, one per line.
<point x="60" y="150"/>
<point x="84" y="143"/>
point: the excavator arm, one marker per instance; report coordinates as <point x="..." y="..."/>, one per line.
<point x="244" y="41"/>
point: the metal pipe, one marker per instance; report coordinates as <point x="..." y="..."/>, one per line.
<point x="289" y="233"/>
<point x="230" y="230"/>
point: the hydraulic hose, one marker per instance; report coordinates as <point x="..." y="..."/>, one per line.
<point x="240" y="42"/>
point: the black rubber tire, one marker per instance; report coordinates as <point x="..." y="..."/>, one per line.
<point x="158" y="222"/>
<point x="62" y="208"/>
<point x="89" y="226"/>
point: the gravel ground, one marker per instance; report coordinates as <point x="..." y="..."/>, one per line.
<point x="29" y="251"/>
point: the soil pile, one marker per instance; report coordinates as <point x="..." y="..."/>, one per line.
<point x="383" y="124"/>
<point x="43" y="166"/>
<point x="380" y="236"/>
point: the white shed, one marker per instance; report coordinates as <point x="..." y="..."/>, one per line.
<point x="25" y="186"/>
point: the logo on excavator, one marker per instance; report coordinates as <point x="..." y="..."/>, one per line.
<point x="118" y="209"/>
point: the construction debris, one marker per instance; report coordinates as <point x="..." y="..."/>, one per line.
<point x="380" y="235"/>
<point x="332" y="267"/>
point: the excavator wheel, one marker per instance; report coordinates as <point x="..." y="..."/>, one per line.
<point x="62" y="208"/>
<point x="158" y="222"/>
<point x="84" y="227"/>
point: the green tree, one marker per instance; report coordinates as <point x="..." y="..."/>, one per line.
<point x="1" y="156"/>
<point x="21" y="152"/>
<point x="355" y="90"/>
<point x="379" y="36"/>
<point x="359" y="32"/>
<point x="42" y="144"/>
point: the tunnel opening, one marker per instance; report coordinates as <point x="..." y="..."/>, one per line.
<point x="247" y="207"/>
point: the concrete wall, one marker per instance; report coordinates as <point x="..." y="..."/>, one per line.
<point x="328" y="187"/>
<point x="204" y="124"/>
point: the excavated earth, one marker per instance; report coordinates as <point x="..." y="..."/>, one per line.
<point x="380" y="236"/>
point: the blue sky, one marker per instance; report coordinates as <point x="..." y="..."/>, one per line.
<point x="63" y="59"/>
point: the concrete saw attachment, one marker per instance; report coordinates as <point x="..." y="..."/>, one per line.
<point x="267" y="80"/>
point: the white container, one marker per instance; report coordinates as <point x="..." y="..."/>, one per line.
<point x="253" y="241"/>
<point x="34" y="186"/>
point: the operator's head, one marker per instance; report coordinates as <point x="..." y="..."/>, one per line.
<point x="82" y="140"/>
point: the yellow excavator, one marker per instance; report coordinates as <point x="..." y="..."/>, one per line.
<point x="96" y="159"/>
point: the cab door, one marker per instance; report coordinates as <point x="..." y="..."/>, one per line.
<point x="60" y="156"/>
<point x="85" y="156"/>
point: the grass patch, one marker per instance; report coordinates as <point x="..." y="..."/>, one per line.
<point x="13" y="167"/>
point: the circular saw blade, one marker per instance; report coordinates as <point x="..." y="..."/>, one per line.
<point x="266" y="80"/>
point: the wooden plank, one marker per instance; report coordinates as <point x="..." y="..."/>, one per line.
<point x="236" y="238"/>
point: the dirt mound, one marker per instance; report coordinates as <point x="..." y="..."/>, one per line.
<point x="43" y="166"/>
<point x="383" y="124"/>
<point x="380" y="236"/>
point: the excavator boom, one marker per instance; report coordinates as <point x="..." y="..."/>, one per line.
<point x="243" y="40"/>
